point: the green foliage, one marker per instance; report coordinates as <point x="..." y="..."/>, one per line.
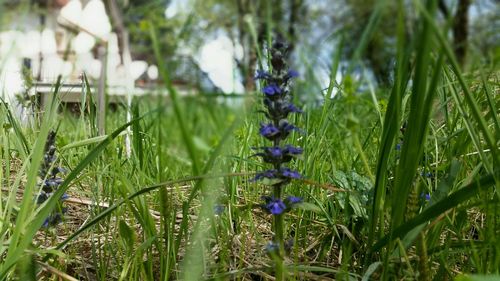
<point x="365" y="215"/>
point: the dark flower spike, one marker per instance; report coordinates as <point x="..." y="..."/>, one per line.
<point x="277" y="106"/>
<point x="48" y="172"/>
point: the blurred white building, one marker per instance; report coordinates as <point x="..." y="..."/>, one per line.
<point x="60" y="37"/>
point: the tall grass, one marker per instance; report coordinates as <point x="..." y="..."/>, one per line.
<point x="152" y="216"/>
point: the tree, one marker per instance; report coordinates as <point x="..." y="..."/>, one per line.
<point x="460" y="27"/>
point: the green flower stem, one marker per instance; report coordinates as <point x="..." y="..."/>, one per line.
<point x="279" y="225"/>
<point x="279" y="261"/>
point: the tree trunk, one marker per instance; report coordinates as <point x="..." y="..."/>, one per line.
<point x="460" y="30"/>
<point x="246" y="64"/>
<point x="295" y="5"/>
<point x="119" y="27"/>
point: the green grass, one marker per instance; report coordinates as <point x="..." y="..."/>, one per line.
<point x="191" y="153"/>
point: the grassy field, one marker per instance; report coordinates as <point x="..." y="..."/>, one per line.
<point x="399" y="183"/>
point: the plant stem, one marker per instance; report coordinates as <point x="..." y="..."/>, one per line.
<point x="279" y="233"/>
<point x="279" y="238"/>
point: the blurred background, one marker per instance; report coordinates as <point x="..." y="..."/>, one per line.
<point x="209" y="45"/>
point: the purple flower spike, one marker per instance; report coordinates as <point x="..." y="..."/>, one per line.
<point x="272" y="90"/>
<point x="276" y="207"/>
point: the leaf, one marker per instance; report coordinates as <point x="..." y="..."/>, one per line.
<point x="477" y="277"/>
<point x="306" y="206"/>
<point x="340" y="179"/>
<point x="270" y="182"/>
<point x="361" y="183"/>
<point x="200" y="144"/>
<point x="127" y="235"/>
<point x="370" y="270"/>
<point x="355" y="203"/>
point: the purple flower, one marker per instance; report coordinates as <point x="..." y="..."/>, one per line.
<point x="427" y="175"/>
<point x="286" y="127"/>
<point x="261" y="74"/>
<point x="292" y="200"/>
<point x="275" y="206"/>
<point x="272" y="90"/>
<point x="269" y="131"/>
<point x="274" y="151"/>
<point x="51" y="183"/>
<point x="292" y="150"/>
<point x="425" y="196"/>
<point x="398" y="146"/>
<point x="292" y="74"/>
<point x="272" y="154"/>
<point x="269" y="174"/>
<point x="218" y="209"/>
<point x="288" y="173"/>
<point x="291" y="108"/>
<point x="278" y="155"/>
<point x="272" y="248"/>
<point x="284" y="173"/>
